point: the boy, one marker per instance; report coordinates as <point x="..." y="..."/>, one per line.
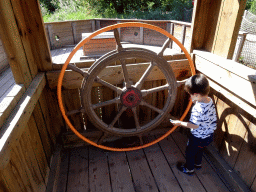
<point x="202" y="122"/>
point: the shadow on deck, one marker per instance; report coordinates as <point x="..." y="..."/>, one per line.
<point x="151" y="169"/>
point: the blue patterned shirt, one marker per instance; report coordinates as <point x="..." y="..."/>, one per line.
<point x="204" y="115"/>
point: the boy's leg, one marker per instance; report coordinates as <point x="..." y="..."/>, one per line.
<point x="200" y="151"/>
<point x="191" y="152"/>
<point x="199" y="156"/>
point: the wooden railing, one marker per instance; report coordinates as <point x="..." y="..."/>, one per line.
<point x="61" y="34"/>
<point x="233" y="91"/>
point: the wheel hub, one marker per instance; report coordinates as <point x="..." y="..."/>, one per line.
<point x="131" y="97"/>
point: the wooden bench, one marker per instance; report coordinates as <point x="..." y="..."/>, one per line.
<point x="100" y="44"/>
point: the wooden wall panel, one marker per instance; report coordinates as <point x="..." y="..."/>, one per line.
<point x="61" y="34"/>
<point x="245" y="164"/>
<point x="38" y="148"/>
<point x="131" y="34"/>
<point x="27" y="167"/>
<point x="80" y="27"/>
<point x="152" y="37"/>
<point x="235" y="136"/>
<point x="23" y="172"/>
<point x="105" y="23"/>
<point x="71" y="99"/>
<point x="135" y="35"/>
<point x="51" y="112"/>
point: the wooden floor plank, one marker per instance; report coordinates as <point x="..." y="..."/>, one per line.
<point x="141" y="173"/>
<point x="165" y="179"/>
<point x="78" y="179"/>
<point x="150" y="169"/>
<point x="5" y="74"/>
<point x="63" y="175"/>
<point x="6" y="87"/>
<point x="99" y="179"/>
<point x="119" y="171"/>
<point x="174" y="155"/>
<point x="206" y="175"/>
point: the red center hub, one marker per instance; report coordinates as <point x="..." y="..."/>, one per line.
<point x="131" y="97"/>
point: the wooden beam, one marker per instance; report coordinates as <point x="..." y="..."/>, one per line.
<point x="200" y="23"/>
<point x="239" y="82"/>
<point x="10" y="36"/>
<point x="215" y="26"/>
<point x="9" y="100"/>
<point x="229" y="21"/>
<point x="32" y="31"/>
<point x="236" y="100"/>
<point x="14" y="126"/>
<point x="114" y="74"/>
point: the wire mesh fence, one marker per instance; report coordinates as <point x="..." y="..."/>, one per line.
<point x="248" y="53"/>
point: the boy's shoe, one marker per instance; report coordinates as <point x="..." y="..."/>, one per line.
<point x="183" y="169"/>
<point x="198" y="166"/>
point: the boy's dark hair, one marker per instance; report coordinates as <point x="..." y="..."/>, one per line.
<point x="197" y="84"/>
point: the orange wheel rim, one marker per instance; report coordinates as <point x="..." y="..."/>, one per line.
<point x="81" y="43"/>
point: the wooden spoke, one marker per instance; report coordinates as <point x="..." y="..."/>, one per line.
<point x="151" y="107"/>
<point x="153" y="90"/>
<point x="81" y="110"/>
<point x="126" y="76"/>
<point x="78" y="70"/>
<point x="138" y="85"/>
<point x="105" y="83"/>
<point x="179" y="83"/>
<point x="109" y="102"/>
<point x="116" y="34"/>
<point x="165" y="45"/>
<point x="141" y="140"/>
<point x="110" y="126"/>
<point x="102" y="137"/>
<point x="136" y="118"/>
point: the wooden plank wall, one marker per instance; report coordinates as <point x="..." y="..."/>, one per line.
<point x="235" y="137"/>
<point x="27" y="166"/>
<point x="3" y="57"/>
<point x="61" y="34"/>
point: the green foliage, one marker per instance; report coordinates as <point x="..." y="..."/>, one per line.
<point x="123" y="9"/>
<point x="49" y="5"/>
<point x="253" y="7"/>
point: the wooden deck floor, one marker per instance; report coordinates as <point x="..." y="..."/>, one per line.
<point x="150" y="169"/>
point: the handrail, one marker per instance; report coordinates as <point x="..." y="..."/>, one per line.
<point x="72" y="30"/>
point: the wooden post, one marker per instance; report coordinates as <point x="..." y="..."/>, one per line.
<point x="73" y="25"/>
<point x="32" y="31"/>
<point x="97" y="24"/>
<point x="171" y="32"/>
<point x="24" y="39"/>
<point x="183" y="35"/>
<point x="240" y="46"/>
<point x="216" y="25"/>
<point x="93" y="25"/>
<point x="11" y="39"/>
<point x="142" y="35"/>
